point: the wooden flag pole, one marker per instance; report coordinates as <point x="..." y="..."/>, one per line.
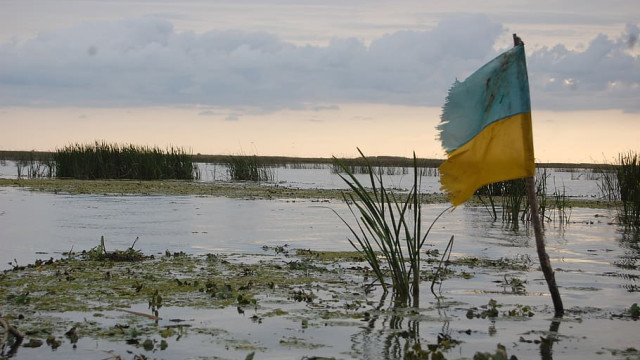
<point x="545" y="264"/>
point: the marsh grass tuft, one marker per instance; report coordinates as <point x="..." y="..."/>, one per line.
<point x="248" y="168"/>
<point x="34" y="165"/>
<point x="608" y="183"/>
<point x="389" y="230"/>
<point x="102" y="160"/>
<point x="628" y="176"/>
<point x="620" y="185"/>
<point x="512" y="194"/>
<point x="507" y="200"/>
<point x="560" y="207"/>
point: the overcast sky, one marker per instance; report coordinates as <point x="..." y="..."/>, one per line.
<point x="309" y="69"/>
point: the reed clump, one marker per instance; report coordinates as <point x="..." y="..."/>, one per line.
<point x="388" y="230"/>
<point x="102" y="160"/>
<point x="620" y="186"/>
<point x="33" y="165"/>
<point x="508" y="200"/>
<point x="608" y="184"/>
<point x="248" y="168"/>
<point x="512" y="197"/>
<point x="628" y="176"/>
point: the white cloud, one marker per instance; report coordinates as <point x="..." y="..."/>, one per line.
<point x="145" y="61"/>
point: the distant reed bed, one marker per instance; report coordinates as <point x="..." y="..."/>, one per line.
<point x="388" y="166"/>
<point x="102" y="160"/>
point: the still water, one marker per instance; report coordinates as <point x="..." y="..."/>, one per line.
<point x="596" y="264"/>
<point x="36" y="224"/>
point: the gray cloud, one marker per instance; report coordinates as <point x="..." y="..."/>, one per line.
<point x="605" y="75"/>
<point x="145" y="61"/>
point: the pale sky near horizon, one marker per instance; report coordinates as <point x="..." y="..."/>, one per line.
<point x="309" y="78"/>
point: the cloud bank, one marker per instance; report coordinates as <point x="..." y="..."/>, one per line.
<point x="146" y="62"/>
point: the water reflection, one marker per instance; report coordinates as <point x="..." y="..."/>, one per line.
<point x="388" y="333"/>
<point x="13" y="344"/>
<point x="546" y="343"/>
<point x="394" y="332"/>
<point x="630" y="242"/>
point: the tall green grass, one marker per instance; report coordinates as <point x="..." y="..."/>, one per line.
<point x="620" y="186"/>
<point x="628" y="176"/>
<point x="608" y="184"/>
<point x="511" y="196"/>
<point x="507" y="200"/>
<point x="248" y="168"/>
<point x="388" y="230"/>
<point x="102" y="160"/>
<point x="560" y="207"/>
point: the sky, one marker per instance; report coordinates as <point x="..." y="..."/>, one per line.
<point x="309" y="78"/>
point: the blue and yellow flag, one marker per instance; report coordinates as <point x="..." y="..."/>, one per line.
<point x="485" y="127"/>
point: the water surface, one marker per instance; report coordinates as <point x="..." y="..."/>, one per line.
<point x="596" y="265"/>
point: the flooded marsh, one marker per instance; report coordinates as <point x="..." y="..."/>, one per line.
<point x="265" y="270"/>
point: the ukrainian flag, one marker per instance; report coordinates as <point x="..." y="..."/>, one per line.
<point x="486" y="127"/>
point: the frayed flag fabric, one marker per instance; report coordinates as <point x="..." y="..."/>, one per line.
<point x="485" y="127"/>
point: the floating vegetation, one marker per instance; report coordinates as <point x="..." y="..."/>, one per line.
<point x="100" y="253"/>
<point x="165" y="303"/>
<point x="102" y="160"/>
<point x="518" y="263"/>
<point x="95" y="283"/>
<point x="500" y="354"/>
<point x="226" y="189"/>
